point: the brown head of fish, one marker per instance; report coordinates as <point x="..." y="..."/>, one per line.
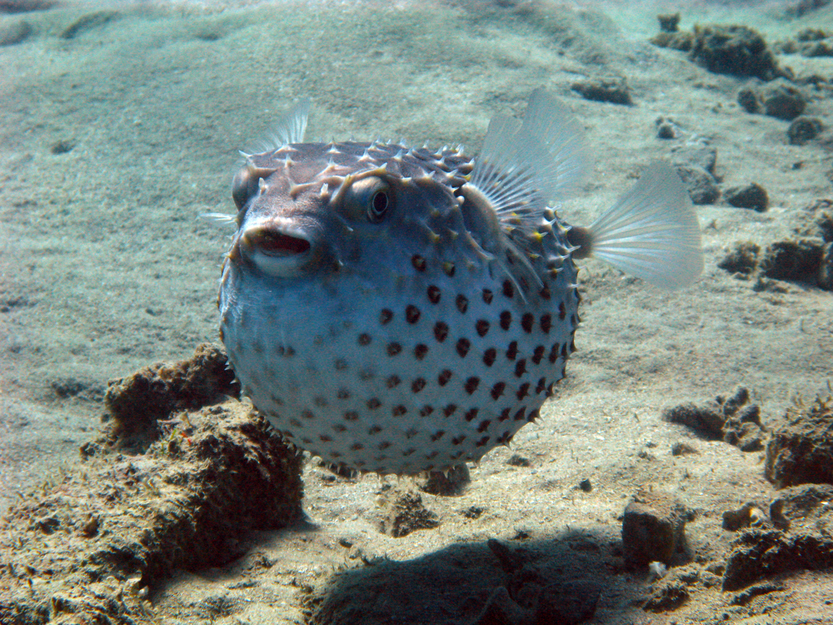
<point x="400" y="310"/>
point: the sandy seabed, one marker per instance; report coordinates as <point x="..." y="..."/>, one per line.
<point x="119" y="128"/>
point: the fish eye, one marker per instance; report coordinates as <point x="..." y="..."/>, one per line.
<point x="369" y="199"/>
<point x="379" y="204"/>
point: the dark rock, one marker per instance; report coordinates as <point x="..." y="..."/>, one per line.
<point x="749" y="515"/>
<point x="614" y="91"/>
<point x="782" y="100"/>
<point x="824" y="219"/>
<point x="653" y="529"/>
<point x="682" y="41"/>
<point x="801" y="450"/>
<point x="758" y="555"/>
<point x="405" y="514"/>
<point x="666" y="129"/>
<point x="804" y="129"/>
<point x="451" y="482"/>
<point x="517" y="460"/>
<point x="707" y="420"/>
<point x="748" y="100"/>
<point x="585" y="485"/>
<point x="137" y="402"/>
<point x="799" y="261"/>
<point x="737" y="50"/>
<point x="669" y="23"/>
<point x="803" y="7"/>
<point x="808" y="504"/>
<point x="752" y="196"/>
<point x="700" y="184"/>
<point x="741" y="259"/>
<point x="683" y="449"/>
<point x="121" y="517"/>
<point x="734" y="420"/>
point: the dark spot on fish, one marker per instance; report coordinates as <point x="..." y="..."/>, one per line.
<point x="489" y="356"/>
<point x="364" y="339"/>
<point x="440" y="331"/>
<point x="393" y="381"/>
<point x="546" y="323"/>
<point x="462" y="303"/>
<point x="356" y="446"/>
<point x="471" y="414"/>
<point x="426" y="410"/>
<point x="343" y="393"/>
<point x="383" y="445"/>
<point x="399" y="410"/>
<point x="374" y="430"/>
<point x="505" y="319"/>
<point x="512" y="352"/>
<point x="484" y="425"/>
<point x="394" y="349"/>
<point x="418" y="262"/>
<point x="420" y="350"/>
<point x="497" y="390"/>
<point x="385" y="316"/>
<point x="542" y="386"/>
<point x="340" y="364"/>
<point x="487" y="296"/>
<point x="519" y="416"/>
<point x="508" y="289"/>
<point x="319" y="401"/>
<point x="546" y="293"/>
<point x="463" y="346"/>
<point x="554" y="352"/>
<point x="504" y="414"/>
<point x="351" y="415"/>
<point x="562" y="311"/>
<point x="412" y="314"/>
<point x="325" y="438"/>
<point x="444" y="377"/>
<point x="471" y="384"/>
<point x="437" y="435"/>
<point x="574" y="320"/>
<point x="523" y="391"/>
<point x="450" y="410"/>
<point x="449" y="269"/>
<point x="295" y="423"/>
<point x="572" y="345"/>
<point x="373" y="403"/>
<point x="340" y="428"/>
<point x="504" y="438"/>
<point x="482" y="327"/>
<point x="417" y="385"/>
<point x="483" y="441"/>
<point x="434" y="294"/>
<point x="458" y="439"/>
<point x="538" y="354"/>
<point x="533" y="416"/>
<point x="564" y="353"/>
<point x="527" y="322"/>
<point x="307" y="414"/>
<point x="520" y="367"/>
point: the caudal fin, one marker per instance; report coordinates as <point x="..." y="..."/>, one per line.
<point x="652" y="232"/>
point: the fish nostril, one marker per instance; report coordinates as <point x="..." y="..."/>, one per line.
<point x="275" y="243"/>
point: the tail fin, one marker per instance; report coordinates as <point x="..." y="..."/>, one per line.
<point x="652" y="232"/>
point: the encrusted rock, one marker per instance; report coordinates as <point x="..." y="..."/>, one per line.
<point x="653" y="529"/>
<point x="801" y="450"/>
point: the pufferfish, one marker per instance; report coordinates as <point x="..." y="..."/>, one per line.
<point x="401" y="310"/>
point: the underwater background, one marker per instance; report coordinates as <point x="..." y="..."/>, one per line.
<point x="120" y="125"/>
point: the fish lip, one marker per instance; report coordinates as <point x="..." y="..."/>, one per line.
<point x="276" y="250"/>
<point x="275" y="242"/>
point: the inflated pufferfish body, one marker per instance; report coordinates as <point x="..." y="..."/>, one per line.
<point x="401" y="310"/>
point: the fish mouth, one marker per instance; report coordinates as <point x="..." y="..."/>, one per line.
<point x="276" y="251"/>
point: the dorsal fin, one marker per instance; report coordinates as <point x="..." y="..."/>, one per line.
<point x="291" y="127"/>
<point x="524" y="166"/>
